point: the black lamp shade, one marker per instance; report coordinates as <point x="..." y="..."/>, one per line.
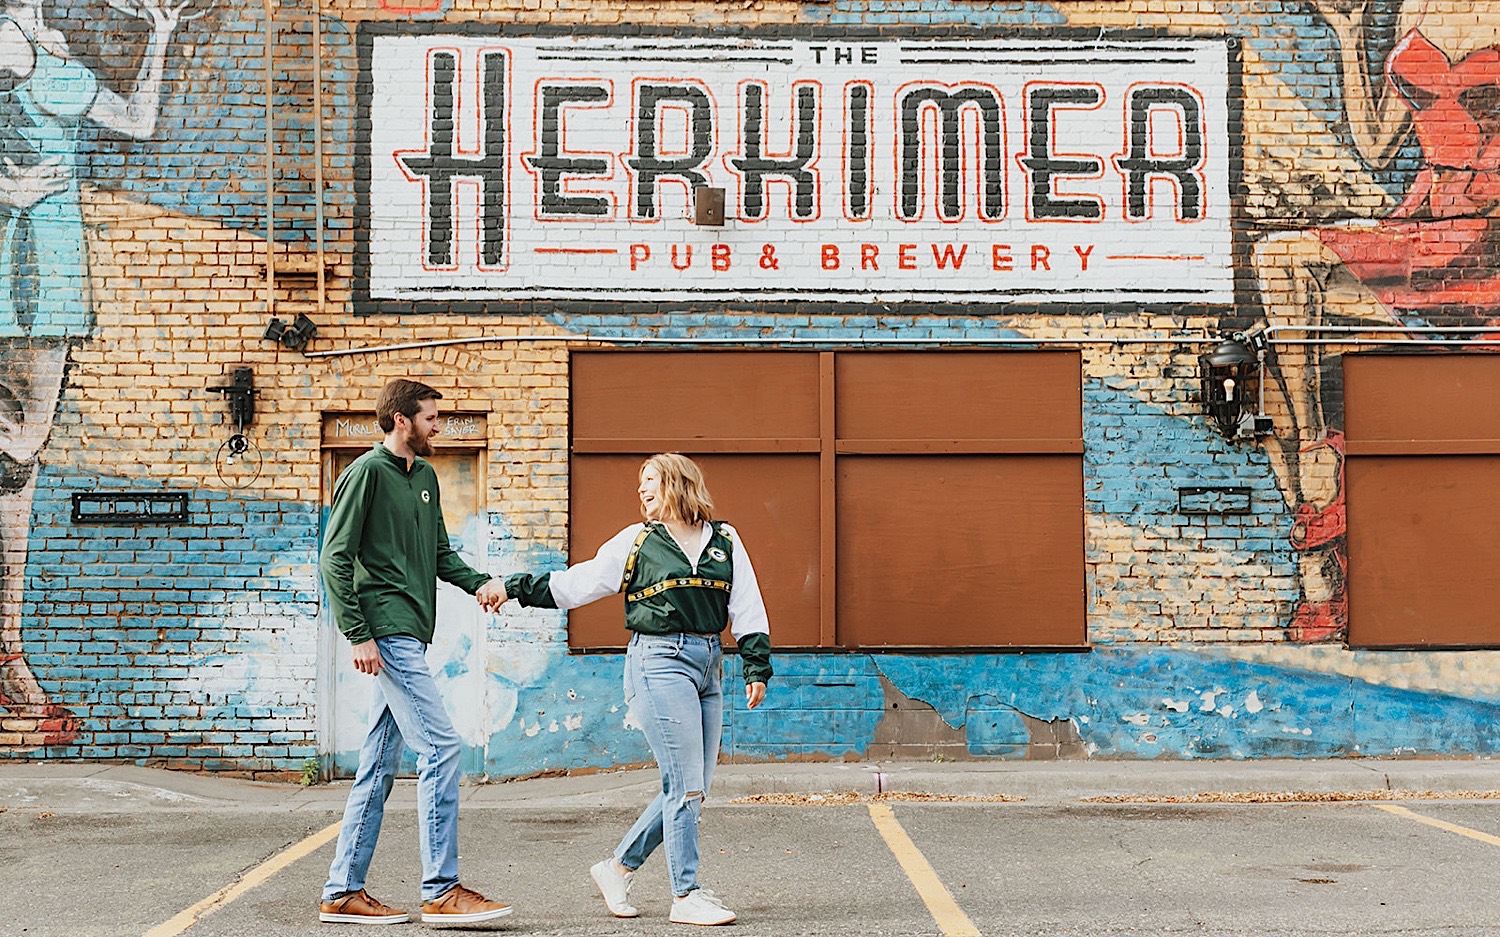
<point x="1229" y="378"/>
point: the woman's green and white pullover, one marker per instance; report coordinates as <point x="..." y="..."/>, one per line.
<point x="667" y="592"/>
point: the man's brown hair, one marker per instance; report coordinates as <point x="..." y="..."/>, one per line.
<point x="403" y="397"/>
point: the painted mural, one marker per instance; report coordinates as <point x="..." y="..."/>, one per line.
<point x="1428" y="260"/>
<point x="49" y="96"/>
<point x="1301" y="164"/>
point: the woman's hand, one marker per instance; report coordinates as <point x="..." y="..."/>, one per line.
<point x="755" y="694"/>
<point x="492" y="595"/>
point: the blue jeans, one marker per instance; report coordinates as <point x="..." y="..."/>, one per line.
<point x="406" y="709"/>
<point x="672" y="685"/>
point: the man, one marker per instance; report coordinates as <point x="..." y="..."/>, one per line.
<point x="385" y="548"/>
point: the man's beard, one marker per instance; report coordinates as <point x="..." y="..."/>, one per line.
<point x="418" y="444"/>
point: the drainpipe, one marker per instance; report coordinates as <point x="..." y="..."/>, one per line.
<point x="317" y="40"/>
<point x="270" y="7"/>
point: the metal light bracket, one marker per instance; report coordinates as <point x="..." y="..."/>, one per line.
<point x="240" y="395"/>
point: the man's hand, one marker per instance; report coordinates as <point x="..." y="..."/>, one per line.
<point x="367" y="658"/>
<point x="492" y="595"/>
<point x="755" y="694"/>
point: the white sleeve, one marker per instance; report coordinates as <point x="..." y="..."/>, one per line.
<point x="747" y="610"/>
<point x="593" y="579"/>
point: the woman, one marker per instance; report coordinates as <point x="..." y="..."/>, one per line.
<point x="1434" y="258"/>
<point x="685" y="576"/>
<point x="47" y="96"/>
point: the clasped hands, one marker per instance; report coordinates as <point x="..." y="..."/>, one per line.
<point x="492" y="595"/>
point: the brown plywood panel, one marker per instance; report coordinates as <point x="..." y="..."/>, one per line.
<point x="959" y="395"/>
<point x="772" y="500"/>
<point x="684" y="396"/>
<point x="1432" y="397"/>
<point x="972" y="550"/>
<point x="1422" y="548"/>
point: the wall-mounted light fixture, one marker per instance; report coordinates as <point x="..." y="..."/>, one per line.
<point x="708" y="206"/>
<point x="239" y="393"/>
<point x="1230" y="378"/>
<point x="292" y="334"/>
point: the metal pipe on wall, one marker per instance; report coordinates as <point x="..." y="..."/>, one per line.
<point x="898" y="341"/>
<point x="270" y="7"/>
<point x="587" y="339"/>
<point x="317" y="40"/>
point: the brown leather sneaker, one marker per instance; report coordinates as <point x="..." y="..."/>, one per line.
<point x="358" y="907"/>
<point x="460" y="905"/>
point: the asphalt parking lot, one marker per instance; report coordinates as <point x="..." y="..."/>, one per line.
<point x="130" y="852"/>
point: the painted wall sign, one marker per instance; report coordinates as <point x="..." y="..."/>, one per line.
<point x="361" y="429"/>
<point x="516" y="168"/>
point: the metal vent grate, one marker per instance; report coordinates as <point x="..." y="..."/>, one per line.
<point x="130" y="507"/>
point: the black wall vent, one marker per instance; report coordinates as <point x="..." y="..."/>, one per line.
<point x="130" y="507"/>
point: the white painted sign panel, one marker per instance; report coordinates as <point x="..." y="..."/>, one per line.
<point x="525" y="168"/>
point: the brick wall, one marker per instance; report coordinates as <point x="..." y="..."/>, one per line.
<point x="137" y="281"/>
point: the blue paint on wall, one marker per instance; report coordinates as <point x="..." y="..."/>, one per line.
<point x="212" y="125"/>
<point x="880" y="322"/>
<point x="570" y="711"/>
<point x="817" y="705"/>
<point x="585" y="690"/>
<point x="1301" y="46"/>
<point x="119" y="621"/>
<point x="891" y="12"/>
<point x="127" y="626"/>
<point x="1199" y="703"/>
<point x="1137" y="457"/>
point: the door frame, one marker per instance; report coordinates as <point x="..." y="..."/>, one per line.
<point x="345" y="432"/>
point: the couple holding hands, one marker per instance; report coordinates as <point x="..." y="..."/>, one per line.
<point x="685" y="577"/>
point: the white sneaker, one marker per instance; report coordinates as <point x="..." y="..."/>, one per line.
<point x="614" y="885"/>
<point x="700" y="906"/>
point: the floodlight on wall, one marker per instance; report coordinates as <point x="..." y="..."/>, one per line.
<point x="1229" y="379"/>
<point x="292" y="334"/>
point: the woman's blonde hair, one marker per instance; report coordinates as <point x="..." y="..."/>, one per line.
<point x="683" y="490"/>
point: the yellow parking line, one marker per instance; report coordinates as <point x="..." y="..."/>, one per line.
<point x="950" y="918"/>
<point x="190" y="916"/>
<point x="1440" y="824"/>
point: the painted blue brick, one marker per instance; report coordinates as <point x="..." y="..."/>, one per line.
<point x="96" y="752"/>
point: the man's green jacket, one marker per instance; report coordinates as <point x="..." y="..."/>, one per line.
<point x="385" y="548"/>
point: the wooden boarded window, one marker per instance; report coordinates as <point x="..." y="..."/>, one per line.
<point x="888" y="499"/>
<point x="1423" y="460"/>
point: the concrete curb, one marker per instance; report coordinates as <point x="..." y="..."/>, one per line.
<point x="100" y="788"/>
